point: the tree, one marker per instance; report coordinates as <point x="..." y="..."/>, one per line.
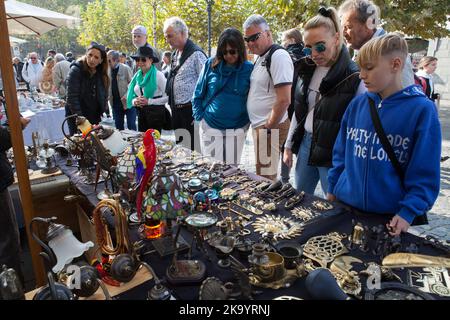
<point x="61" y="39"/>
<point x="111" y="21"/>
<point x="425" y="19"/>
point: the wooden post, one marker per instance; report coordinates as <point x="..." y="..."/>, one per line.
<point x="9" y="88"/>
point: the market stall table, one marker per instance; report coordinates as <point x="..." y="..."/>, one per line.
<point x="48" y="125"/>
<point x="338" y="219"/>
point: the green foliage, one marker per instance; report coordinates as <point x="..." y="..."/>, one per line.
<point x="110" y="21"/>
<point x="61" y="39"/>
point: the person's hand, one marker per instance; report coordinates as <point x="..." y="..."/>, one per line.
<point x="397" y="225"/>
<point x="24" y="122"/>
<point x="331" y="197"/>
<point x="142" y="101"/>
<point x="124" y="103"/>
<point x="287" y="157"/>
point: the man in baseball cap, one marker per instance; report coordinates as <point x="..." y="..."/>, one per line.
<point x="139" y="37"/>
<point x="139" y="34"/>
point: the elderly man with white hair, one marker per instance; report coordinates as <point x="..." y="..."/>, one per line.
<point x="60" y="72"/>
<point x="359" y="21"/>
<point x="187" y="63"/>
<point x="32" y="71"/>
<point x="140" y="39"/>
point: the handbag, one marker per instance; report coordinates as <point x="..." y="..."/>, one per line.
<point x="418" y="220"/>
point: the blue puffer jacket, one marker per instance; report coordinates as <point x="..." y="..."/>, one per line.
<point x="221" y="95"/>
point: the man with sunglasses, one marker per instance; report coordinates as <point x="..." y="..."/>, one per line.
<point x="269" y="96"/>
<point x="32" y="71"/>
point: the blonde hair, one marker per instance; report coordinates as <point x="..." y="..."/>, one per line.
<point x="293" y="34"/>
<point x="327" y="18"/>
<point x="426" y="61"/>
<point x="49" y="62"/>
<point x="392" y="43"/>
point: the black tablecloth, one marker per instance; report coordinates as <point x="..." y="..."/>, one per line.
<point x="336" y="220"/>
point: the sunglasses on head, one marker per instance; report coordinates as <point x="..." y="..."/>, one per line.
<point x="253" y="37"/>
<point x="319" y="47"/>
<point x="230" y="52"/>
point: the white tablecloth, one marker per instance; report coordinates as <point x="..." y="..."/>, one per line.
<point x="47" y="124"/>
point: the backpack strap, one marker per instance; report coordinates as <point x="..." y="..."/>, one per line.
<point x="268" y="59"/>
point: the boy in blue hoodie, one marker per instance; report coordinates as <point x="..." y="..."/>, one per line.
<point x="362" y="175"/>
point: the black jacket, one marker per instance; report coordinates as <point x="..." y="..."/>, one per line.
<point x="296" y="52"/>
<point x="337" y="90"/>
<point x="19" y="68"/>
<point x="86" y="94"/>
<point x="6" y="172"/>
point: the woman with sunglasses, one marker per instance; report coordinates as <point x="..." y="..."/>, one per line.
<point x="87" y="86"/>
<point x="146" y="92"/>
<point x="328" y="80"/>
<point x="220" y="98"/>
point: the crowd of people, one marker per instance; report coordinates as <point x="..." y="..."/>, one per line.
<point x="331" y="96"/>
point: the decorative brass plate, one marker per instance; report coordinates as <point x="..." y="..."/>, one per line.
<point x="324" y="249"/>
<point x="281" y="227"/>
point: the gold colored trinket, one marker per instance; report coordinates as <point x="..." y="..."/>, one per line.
<point x="303" y="213"/>
<point x="270" y="206"/>
<point x="227" y="193"/>
<point x="400" y="260"/>
<point x="273" y="274"/>
<point x="321" y="205"/>
<point x="324" y="249"/>
<point x="347" y="279"/>
<point x="280" y="227"/>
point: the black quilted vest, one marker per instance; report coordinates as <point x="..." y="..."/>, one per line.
<point x="337" y="90"/>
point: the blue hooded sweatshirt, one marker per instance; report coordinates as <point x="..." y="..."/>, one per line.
<point x="226" y="109"/>
<point x="362" y="175"/>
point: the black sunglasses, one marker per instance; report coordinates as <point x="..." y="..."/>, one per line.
<point x="231" y="52"/>
<point x="141" y="59"/>
<point x="253" y="37"/>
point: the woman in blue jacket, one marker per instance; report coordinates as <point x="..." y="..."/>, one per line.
<point x="220" y="99"/>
